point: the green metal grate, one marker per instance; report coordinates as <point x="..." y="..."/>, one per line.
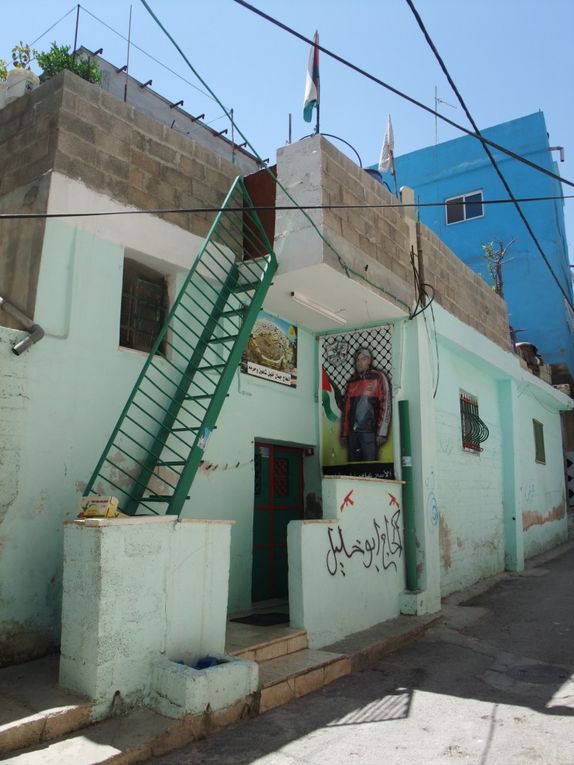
<point x="157" y="445"/>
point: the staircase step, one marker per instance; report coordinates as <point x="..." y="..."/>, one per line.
<point x="247" y="287"/>
<point x="284" y="641"/>
<point x="297" y="674"/>
<point x="222" y="339"/>
<point x="133" y="738"/>
<point x="34" y="709"/>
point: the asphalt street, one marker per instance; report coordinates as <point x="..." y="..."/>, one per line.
<point x="491" y="684"/>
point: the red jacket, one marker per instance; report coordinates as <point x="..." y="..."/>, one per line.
<point x="367" y="407"/>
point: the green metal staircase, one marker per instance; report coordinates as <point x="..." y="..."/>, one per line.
<point x="157" y="445"/>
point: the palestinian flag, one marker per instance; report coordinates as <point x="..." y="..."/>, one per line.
<point x="331" y="398"/>
<point x="312" y="82"/>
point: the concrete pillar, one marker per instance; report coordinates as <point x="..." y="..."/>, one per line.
<point x="512" y="514"/>
<point x="137" y="590"/>
<point x="417" y="379"/>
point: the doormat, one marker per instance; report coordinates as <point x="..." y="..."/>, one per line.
<point x="263" y="619"/>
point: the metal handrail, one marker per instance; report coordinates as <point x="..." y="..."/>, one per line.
<point x="180" y="410"/>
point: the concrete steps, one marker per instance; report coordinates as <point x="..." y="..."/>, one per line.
<point x="42" y="724"/>
<point x="33" y="709"/>
<point x="133" y="738"/>
<point x="292" y="675"/>
<point x="285" y="642"/>
<point x="288" y="668"/>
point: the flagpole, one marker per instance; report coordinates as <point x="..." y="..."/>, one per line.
<point x="317" y="125"/>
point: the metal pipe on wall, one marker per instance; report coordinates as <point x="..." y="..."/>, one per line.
<point x="408" y="497"/>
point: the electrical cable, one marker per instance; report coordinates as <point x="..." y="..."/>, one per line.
<point x="145" y="53"/>
<point x="53" y="25"/>
<point x="400" y="93"/>
<point x="257" y="208"/>
<point x="347" y="269"/>
<point x="461" y="101"/>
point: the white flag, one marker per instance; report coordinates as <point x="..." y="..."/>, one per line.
<point x="387" y="158"/>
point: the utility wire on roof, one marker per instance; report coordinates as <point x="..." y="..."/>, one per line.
<point x="347" y="269"/>
<point x="480" y="137"/>
<point x="400" y="93"/>
<point x="258" y="208"/>
<point x="155" y="60"/>
<point x="55" y="24"/>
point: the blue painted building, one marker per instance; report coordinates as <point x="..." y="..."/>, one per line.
<point x="459" y="171"/>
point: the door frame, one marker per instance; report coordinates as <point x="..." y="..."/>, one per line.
<point x="274" y="446"/>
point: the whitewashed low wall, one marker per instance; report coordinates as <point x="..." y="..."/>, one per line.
<point x="137" y="590"/>
<point x="347" y="571"/>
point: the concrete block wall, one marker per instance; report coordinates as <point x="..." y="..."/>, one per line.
<point x="122" y="153"/>
<point x="27" y="145"/>
<point x="71" y="126"/>
<point x="380" y="233"/>
<point x="463" y="293"/>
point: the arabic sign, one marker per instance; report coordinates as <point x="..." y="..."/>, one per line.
<point x="271" y="352"/>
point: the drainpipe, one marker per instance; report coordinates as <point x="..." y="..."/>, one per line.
<point x="35" y="330"/>
<point x="408" y="497"/>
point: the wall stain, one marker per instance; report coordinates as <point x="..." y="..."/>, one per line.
<point x="532" y="518"/>
<point x="445" y="544"/>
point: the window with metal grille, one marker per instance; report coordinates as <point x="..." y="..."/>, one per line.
<point x="464" y="207"/>
<point x="539" y="451"/>
<point x="144" y="306"/>
<point x="473" y="430"/>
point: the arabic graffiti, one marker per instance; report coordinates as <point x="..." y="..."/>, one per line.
<point x="381" y="550"/>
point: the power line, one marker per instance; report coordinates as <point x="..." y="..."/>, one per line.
<point x="258" y="208"/>
<point x="55" y="24"/>
<point x="145" y="53"/>
<point x="401" y="94"/>
<point x="494" y="163"/>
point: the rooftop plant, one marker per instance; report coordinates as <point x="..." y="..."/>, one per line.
<point x="59" y="58"/>
<point x="23" y="55"/>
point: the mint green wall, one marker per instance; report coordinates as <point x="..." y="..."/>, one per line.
<point x="64" y="396"/>
<point x="470" y="484"/>
<point x="260" y="410"/>
<point x="497" y="507"/>
<point x="540" y="492"/>
<point x="56" y="421"/>
<point x="133" y="593"/>
<point x="346" y="571"/>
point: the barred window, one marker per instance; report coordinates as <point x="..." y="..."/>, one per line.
<point x="144" y="306"/>
<point x="473" y="430"/>
<point x="539" y="451"/>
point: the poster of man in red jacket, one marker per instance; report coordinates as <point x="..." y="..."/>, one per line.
<point x="356" y="390"/>
<point x="366" y="415"/>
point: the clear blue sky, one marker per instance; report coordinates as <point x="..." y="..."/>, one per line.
<point x="508" y="58"/>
